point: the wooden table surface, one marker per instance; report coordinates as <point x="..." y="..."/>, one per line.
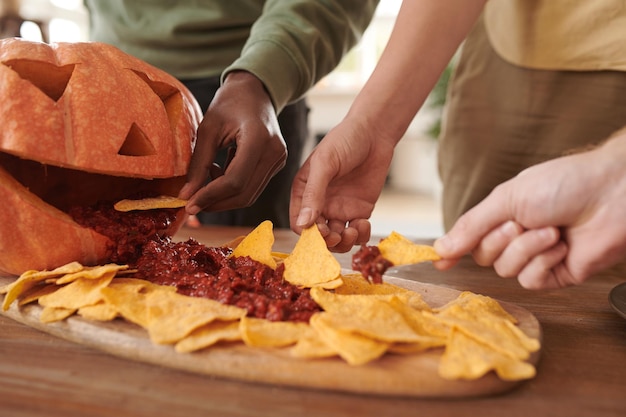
<point x="581" y="372"/>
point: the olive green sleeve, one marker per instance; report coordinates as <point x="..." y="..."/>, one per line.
<point x="295" y="43"/>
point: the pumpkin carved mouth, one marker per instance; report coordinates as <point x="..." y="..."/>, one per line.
<point x="63" y="188"/>
<point x="82" y="123"/>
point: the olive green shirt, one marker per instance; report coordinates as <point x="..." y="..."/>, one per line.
<point x="288" y="44"/>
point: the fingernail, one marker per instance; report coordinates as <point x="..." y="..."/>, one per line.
<point x="323" y="228"/>
<point x="305" y="217"/>
<point x="443" y="244"/>
<point x="193" y="210"/>
<point x="511" y="228"/>
<point x="184" y="191"/>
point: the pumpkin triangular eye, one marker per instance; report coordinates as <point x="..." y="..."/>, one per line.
<point x="169" y="95"/>
<point x="136" y="143"/>
<point x="49" y="78"/>
<point x="161" y="89"/>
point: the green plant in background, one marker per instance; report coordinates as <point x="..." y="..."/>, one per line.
<point x="437" y="99"/>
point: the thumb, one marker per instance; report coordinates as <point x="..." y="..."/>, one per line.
<point x="308" y="194"/>
<point x="474" y="225"/>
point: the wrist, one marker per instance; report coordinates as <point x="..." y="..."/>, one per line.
<point x="244" y="81"/>
<point x="370" y="124"/>
<point x="614" y="149"/>
<point x="241" y="76"/>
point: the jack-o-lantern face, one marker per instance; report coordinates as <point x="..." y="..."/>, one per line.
<point x="79" y="123"/>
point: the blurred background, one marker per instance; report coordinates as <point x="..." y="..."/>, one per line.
<point x="410" y="200"/>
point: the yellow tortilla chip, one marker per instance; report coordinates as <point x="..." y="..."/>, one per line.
<point x="264" y="333"/>
<point x="470" y="301"/>
<point x="311" y="263"/>
<point x="98" y="312"/>
<point x="128" y="303"/>
<point x="354" y="348"/>
<point x="172" y="316"/>
<point x="486" y="321"/>
<point x="52" y="314"/>
<point x="401" y="251"/>
<point x="258" y="245"/>
<point x="151" y="203"/>
<point x="311" y="346"/>
<point x="468" y="358"/>
<point x="79" y="293"/>
<point x="29" y="279"/>
<point x="330" y="285"/>
<point x="371" y="316"/>
<point x="208" y="335"/>
<point x="36" y="292"/>
<point x="280" y="255"/>
<point x="355" y="283"/>
<point x="91" y="272"/>
<point x="423" y="322"/>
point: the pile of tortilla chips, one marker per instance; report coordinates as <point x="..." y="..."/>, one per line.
<point x="360" y="321"/>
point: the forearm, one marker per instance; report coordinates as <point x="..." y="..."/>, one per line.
<point x="425" y="37"/>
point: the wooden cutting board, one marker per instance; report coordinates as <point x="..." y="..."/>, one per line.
<point x="394" y="375"/>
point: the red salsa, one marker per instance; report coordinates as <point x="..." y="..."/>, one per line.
<point x="370" y="263"/>
<point x="195" y="269"/>
<point x="128" y="231"/>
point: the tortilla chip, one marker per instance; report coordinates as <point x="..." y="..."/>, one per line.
<point x="208" y="335"/>
<point x="311" y="346"/>
<point x="79" y="293"/>
<point x="486" y="321"/>
<point x="91" y="272"/>
<point x="161" y="202"/>
<point x="368" y="315"/>
<point x="36" y="292"/>
<point x="128" y="303"/>
<point x="352" y="347"/>
<point x="401" y="251"/>
<point x="264" y="333"/>
<point x="311" y="263"/>
<point x="173" y="316"/>
<point x="52" y="314"/>
<point x="468" y="358"/>
<point x="423" y="322"/>
<point x="470" y="301"/>
<point x="258" y="245"/>
<point x="29" y="279"/>
<point x="101" y="311"/>
<point x="356" y="284"/>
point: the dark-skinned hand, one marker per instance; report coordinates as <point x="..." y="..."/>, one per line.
<point x="242" y="119"/>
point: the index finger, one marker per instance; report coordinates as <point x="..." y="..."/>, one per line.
<point x="308" y="194"/>
<point x="201" y="162"/>
<point x="475" y="224"/>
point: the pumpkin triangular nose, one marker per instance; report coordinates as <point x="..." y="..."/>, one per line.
<point x="136" y="143"/>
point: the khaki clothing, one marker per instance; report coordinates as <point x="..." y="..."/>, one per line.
<point x="502" y="118"/>
<point x="575" y="35"/>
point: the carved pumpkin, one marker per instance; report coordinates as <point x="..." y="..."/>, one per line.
<point x="80" y="123"/>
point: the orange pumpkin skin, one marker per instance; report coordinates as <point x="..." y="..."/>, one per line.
<point x="79" y="123"/>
